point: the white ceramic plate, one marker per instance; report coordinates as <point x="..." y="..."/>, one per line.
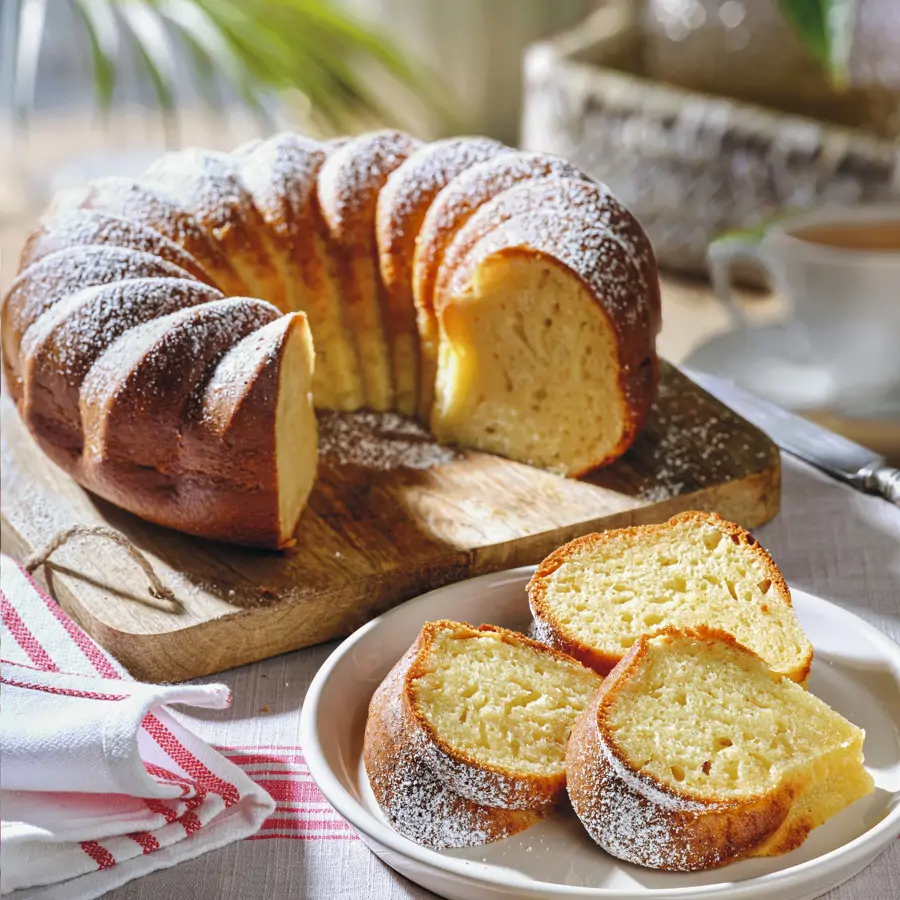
<point x="856" y="670"/>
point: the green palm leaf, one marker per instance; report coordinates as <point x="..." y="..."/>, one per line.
<point x="826" y="29"/>
<point x="254" y="47"/>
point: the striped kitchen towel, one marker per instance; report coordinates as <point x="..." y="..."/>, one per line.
<point x="99" y="784"/>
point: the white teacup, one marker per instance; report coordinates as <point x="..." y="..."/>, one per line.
<point x="839" y="271"/>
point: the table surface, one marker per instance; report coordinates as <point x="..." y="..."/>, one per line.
<point x="828" y="540"/>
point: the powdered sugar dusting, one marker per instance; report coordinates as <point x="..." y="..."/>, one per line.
<point x="84" y="324"/>
<point x="379" y="442"/>
<point x="578" y="222"/>
<point x="411" y="188"/>
<point x="629" y="816"/>
<point x="207" y="183"/>
<point x="417" y="802"/>
<point x="235" y="371"/>
<point x="462" y="197"/>
<point x="150" y="205"/>
<point x="60" y="274"/>
<point x="83" y="227"/>
<point x="281" y="174"/>
<point x="694" y="448"/>
<point x="167" y="359"/>
<point x="351" y="179"/>
<point x="575" y="238"/>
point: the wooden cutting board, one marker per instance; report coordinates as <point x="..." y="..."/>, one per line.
<point x="392" y="515"/>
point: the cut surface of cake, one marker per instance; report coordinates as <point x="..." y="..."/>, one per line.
<point x="449" y="212"/>
<point x="543" y="279"/>
<point x="486" y="714"/>
<point x="694" y="754"/>
<point x="595" y="596"/>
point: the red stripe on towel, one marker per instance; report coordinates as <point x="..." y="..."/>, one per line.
<point x="99" y="854"/>
<point x="61" y="691"/>
<point x="24" y="638"/>
<point x="147" y="842"/>
<point x="93" y="653"/>
<point x="181" y="755"/>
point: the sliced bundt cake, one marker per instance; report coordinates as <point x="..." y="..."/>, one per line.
<point x="382" y="243"/>
<point x="694" y="754"/>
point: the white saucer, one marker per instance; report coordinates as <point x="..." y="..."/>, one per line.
<point x="856" y="670"/>
<point x="774" y="362"/>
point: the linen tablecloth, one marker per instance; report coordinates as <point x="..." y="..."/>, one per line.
<point x="828" y="540"/>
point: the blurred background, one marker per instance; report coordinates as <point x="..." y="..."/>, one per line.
<point x="707" y="118"/>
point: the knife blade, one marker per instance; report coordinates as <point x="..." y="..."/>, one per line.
<point x="834" y="454"/>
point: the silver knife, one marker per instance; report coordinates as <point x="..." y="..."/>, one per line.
<point x="839" y="457"/>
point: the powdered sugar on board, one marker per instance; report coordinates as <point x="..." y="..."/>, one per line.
<point x="379" y="442"/>
<point x="688" y="448"/>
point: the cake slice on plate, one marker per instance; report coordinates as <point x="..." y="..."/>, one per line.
<point x="465" y="741"/>
<point x="694" y="754"/>
<point x="594" y="597"/>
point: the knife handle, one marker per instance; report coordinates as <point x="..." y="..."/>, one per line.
<point x="884" y="480"/>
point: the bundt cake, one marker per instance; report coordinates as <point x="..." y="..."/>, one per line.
<point x="466" y="738"/>
<point x="159" y="338"/>
<point x="694" y="754"/>
<point x="595" y="596"/>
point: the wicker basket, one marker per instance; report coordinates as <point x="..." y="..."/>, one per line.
<point x="690" y="165"/>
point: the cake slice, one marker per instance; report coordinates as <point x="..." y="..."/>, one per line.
<point x="472" y="722"/>
<point x="417" y="802"/>
<point x="547" y="304"/>
<point x="693" y="754"/>
<point x="594" y="597"/>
